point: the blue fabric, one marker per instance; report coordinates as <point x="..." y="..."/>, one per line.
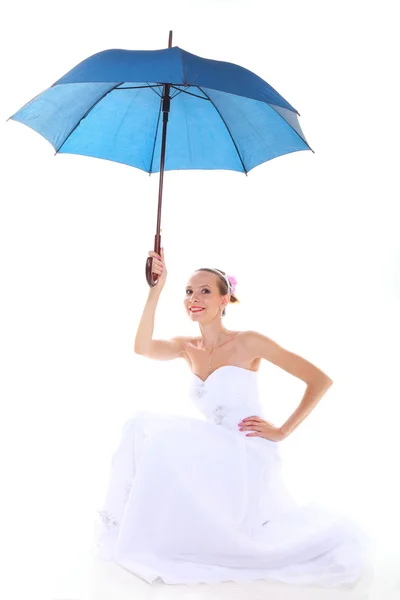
<point x="222" y="116"/>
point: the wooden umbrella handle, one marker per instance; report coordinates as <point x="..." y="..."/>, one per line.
<point x="151" y="277"/>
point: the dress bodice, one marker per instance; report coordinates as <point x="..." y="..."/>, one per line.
<point x="227" y="396"/>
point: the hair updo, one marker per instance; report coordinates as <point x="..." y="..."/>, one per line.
<point x="223" y="285"/>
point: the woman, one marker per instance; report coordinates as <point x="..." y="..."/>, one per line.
<point x="203" y="500"/>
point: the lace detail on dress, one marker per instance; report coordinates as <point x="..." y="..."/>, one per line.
<point x="228" y="395"/>
<point x="219" y="414"/>
<point x="200" y="389"/>
<point x="108" y="519"/>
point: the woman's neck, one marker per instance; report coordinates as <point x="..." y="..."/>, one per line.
<point x="213" y="334"/>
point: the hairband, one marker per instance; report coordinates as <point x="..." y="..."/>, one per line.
<point x="230" y="280"/>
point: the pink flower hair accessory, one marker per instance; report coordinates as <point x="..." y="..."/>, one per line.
<point x="232" y="281"/>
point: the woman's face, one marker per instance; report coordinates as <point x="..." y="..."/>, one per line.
<point x="203" y="300"/>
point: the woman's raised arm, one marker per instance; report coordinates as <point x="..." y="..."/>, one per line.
<point x="144" y="343"/>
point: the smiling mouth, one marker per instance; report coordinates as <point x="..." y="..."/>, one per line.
<point x="196" y="310"/>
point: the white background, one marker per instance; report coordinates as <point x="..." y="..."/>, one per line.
<point x="311" y="238"/>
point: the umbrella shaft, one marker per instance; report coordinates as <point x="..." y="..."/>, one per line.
<point x="166" y="101"/>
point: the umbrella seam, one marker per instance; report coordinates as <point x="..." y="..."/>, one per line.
<point x="183" y="67"/>
<point x="293" y="129"/>
<point x="227" y="128"/>
<point x="85" y="115"/>
<point x="279" y="96"/>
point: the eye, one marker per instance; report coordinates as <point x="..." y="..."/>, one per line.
<point x="189" y="291"/>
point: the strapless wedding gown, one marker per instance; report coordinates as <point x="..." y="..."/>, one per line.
<point x="195" y="500"/>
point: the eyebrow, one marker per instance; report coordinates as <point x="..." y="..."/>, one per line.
<point x="202" y="286"/>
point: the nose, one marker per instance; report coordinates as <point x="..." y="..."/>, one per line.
<point x="193" y="297"/>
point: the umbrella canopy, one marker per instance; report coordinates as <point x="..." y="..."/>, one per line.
<point x="222" y="116"/>
<point x="116" y="105"/>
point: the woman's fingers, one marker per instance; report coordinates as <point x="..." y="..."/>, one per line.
<point x="156" y="258"/>
<point x="157" y="267"/>
<point x="157" y="262"/>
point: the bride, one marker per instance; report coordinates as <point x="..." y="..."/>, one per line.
<point x="203" y="500"/>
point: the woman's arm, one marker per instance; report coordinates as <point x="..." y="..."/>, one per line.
<point x="317" y="381"/>
<point x="144" y="343"/>
<point x="312" y="396"/>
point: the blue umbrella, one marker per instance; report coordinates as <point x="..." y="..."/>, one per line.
<point x="117" y="104"/>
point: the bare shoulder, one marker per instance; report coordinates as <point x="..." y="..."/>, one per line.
<point x="248" y="342"/>
<point x="262" y="346"/>
<point x="249" y="338"/>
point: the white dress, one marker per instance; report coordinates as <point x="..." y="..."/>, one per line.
<point x="195" y="500"/>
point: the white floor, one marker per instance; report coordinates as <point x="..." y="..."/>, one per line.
<point x="47" y="537"/>
<point x="76" y="575"/>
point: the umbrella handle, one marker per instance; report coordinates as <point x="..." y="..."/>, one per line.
<point x="152" y="278"/>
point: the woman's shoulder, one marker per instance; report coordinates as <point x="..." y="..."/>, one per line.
<point x="249" y="337"/>
<point x="251" y="340"/>
<point x="247" y="334"/>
